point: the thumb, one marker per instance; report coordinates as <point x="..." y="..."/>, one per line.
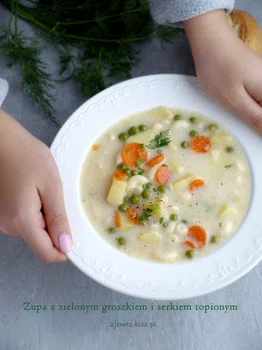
<point x="250" y="110"/>
<point x="56" y="219"/>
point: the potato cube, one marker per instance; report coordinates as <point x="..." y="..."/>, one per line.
<point x="116" y="192"/>
<point x="149" y="237"/>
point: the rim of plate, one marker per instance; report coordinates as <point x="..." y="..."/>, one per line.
<point x="116" y="270"/>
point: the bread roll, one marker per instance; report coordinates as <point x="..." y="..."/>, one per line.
<point x="247" y="29"/>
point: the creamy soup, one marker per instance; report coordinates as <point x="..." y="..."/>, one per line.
<point x="166" y="185"/>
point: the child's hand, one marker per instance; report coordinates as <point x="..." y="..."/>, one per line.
<point x="226" y="67"/>
<point x="29" y="182"/>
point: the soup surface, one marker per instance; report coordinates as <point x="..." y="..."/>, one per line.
<point x="166" y="185"/>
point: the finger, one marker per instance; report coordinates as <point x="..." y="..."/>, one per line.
<point x="42" y="245"/>
<point x="249" y="109"/>
<point x="254" y="86"/>
<point x="55" y="214"/>
<point x="40" y="220"/>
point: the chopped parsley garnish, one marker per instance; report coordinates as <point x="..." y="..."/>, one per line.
<point x="228" y="166"/>
<point x="140" y="171"/>
<point x="147" y="213"/>
<point x="161" y="139"/>
<point x="140" y="162"/>
<point x="142" y="145"/>
<point x="154" y="206"/>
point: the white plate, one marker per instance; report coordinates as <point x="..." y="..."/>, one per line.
<point x="96" y="258"/>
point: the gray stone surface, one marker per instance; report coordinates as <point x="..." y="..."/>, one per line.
<point x="24" y="279"/>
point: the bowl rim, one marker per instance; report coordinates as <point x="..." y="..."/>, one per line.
<point x="106" y="267"/>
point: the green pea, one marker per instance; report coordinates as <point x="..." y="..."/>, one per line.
<point x="111" y="230"/>
<point x="229" y="149"/>
<point x="132" y="131"/>
<point x="146" y="194"/>
<point x="127" y="171"/>
<point x="185" y="222"/>
<point x="126" y="199"/>
<point x="149" y="186"/>
<point x="135" y="199"/>
<point x="184" y="144"/>
<point x="165" y="224"/>
<point x="121" y="166"/>
<point x="123" y="136"/>
<point x="121" y="241"/>
<point x="173" y="217"/>
<point x="193" y="133"/>
<point x="212" y="128"/>
<point x="213" y="239"/>
<point x="190" y="253"/>
<point x="161" y="188"/>
<point x="142" y="127"/>
<point x="192" y="120"/>
<point x="134" y="172"/>
<point x="177" y="117"/>
<point x="123" y="207"/>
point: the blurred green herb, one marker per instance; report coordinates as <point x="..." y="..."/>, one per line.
<point x="228" y="166"/>
<point x="100" y="33"/>
<point x="147" y="213"/>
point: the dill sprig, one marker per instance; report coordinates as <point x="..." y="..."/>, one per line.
<point x="100" y="33"/>
<point x="35" y="81"/>
<point x="160" y="140"/>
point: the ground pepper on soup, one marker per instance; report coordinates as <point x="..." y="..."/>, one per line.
<point x="166" y="185"/>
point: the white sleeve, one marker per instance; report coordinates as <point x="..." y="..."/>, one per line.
<point x="169" y="12"/>
<point x="3" y="90"/>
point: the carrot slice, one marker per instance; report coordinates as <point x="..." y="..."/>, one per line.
<point x="197" y="237"/>
<point x="196" y="184"/>
<point x="163" y="174"/>
<point x="190" y="244"/>
<point x="120" y="175"/>
<point x="133" y="215"/>
<point x="132" y="153"/>
<point x="200" y="144"/>
<point x="158" y="159"/>
<point x="117" y="219"/>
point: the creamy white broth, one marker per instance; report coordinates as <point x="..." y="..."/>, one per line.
<point x="218" y="207"/>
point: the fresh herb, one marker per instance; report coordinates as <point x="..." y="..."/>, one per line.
<point x="229" y="149"/>
<point x="214" y="239"/>
<point x="142" y="145"/>
<point x="140" y="162"/>
<point x="140" y="171"/>
<point x="154" y="207"/>
<point x="161" y="220"/>
<point x="159" y="151"/>
<point x="228" y="166"/>
<point x="35" y="80"/>
<point x="93" y="38"/>
<point x="147" y="213"/>
<point x="161" y="139"/>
